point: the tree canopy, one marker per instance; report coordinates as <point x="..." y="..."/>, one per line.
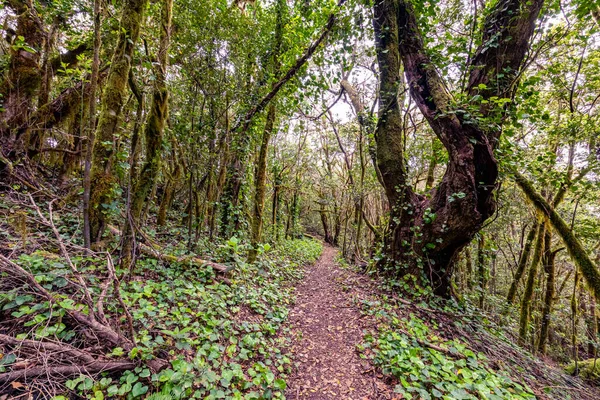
<point x="449" y="148"/>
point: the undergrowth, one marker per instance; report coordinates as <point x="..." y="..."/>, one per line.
<point x="425" y="366"/>
<point x="219" y="336"/>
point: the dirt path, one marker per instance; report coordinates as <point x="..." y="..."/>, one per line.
<point x="328" y="328"/>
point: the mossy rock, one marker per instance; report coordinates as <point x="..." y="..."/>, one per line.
<point x="588" y="369"/>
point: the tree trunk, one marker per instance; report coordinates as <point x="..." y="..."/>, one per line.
<point x="91" y="127"/>
<point x="23" y="78"/>
<point x="482" y="270"/>
<point x="550" y="271"/>
<point x="584" y="263"/>
<point x="102" y="179"/>
<point x="261" y="189"/>
<point x="326" y="232"/>
<point x="468" y="267"/>
<point x="426" y="233"/>
<point x="153" y="134"/>
<point x="592" y="328"/>
<point x="524" y="257"/>
<point x="525" y="316"/>
<point x="261" y="166"/>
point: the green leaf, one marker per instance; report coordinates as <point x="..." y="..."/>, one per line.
<point x="139" y="389"/>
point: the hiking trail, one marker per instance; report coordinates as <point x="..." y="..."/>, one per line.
<point x="328" y="327"/>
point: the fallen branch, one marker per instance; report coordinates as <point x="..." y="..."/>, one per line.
<point x="63" y="249"/>
<point x="432" y="346"/>
<point x="117" y="293"/>
<point x="102" y="331"/>
<point x="50" y="347"/>
<point x="64" y="371"/>
<point x="168" y="258"/>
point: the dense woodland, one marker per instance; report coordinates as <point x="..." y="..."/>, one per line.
<point x="168" y="170"/>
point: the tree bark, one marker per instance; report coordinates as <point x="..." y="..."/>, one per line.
<point x="260" y="189"/>
<point x="482" y="270"/>
<point x="584" y="263"/>
<point x="550" y="271"/>
<point x="24" y="76"/>
<point x="426" y="233"/>
<point x="524" y="257"/>
<point x="153" y="133"/>
<point x="525" y="316"/>
<point x="101" y="178"/>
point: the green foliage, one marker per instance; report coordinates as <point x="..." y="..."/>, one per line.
<point x="400" y="348"/>
<point x="588" y="369"/>
<point x="222" y="339"/>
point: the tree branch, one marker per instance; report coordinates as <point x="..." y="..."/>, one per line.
<point x="588" y="268"/>
<point x="289" y="74"/>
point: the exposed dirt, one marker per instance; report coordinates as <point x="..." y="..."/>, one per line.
<point x="327" y="325"/>
<point x="328" y="328"/>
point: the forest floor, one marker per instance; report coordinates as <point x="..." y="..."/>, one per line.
<point x="328" y="327"/>
<point x="336" y="308"/>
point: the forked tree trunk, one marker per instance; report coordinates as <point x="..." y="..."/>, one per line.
<point x="426" y="233"/>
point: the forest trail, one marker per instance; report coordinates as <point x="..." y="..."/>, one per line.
<point x="328" y="328"/>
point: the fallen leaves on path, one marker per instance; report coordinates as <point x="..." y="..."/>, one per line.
<point x="328" y="328"/>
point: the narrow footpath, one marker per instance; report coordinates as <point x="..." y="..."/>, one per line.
<point x="327" y="328"/>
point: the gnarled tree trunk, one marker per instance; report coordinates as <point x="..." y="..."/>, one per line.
<point x="426" y="233"/>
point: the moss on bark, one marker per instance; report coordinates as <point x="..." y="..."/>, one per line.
<point x="102" y="178"/>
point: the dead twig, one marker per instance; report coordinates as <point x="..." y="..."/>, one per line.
<point x="50" y="222"/>
<point x="117" y="292"/>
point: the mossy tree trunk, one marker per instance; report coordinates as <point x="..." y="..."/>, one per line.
<point x="525" y="316"/>
<point x="169" y="189"/>
<point x="260" y="174"/>
<point x="523" y="258"/>
<point x="482" y="268"/>
<point x="260" y="189"/>
<point x="153" y="133"/>
<point x="276" y="199"/>
<point x="549" y="294"/>
<point x="23" y="78"/>
<point x="592" y="328"/>
<point x="587" y="267"/>
<point x="426" y="232"/>
<point x="102" y="179"/>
